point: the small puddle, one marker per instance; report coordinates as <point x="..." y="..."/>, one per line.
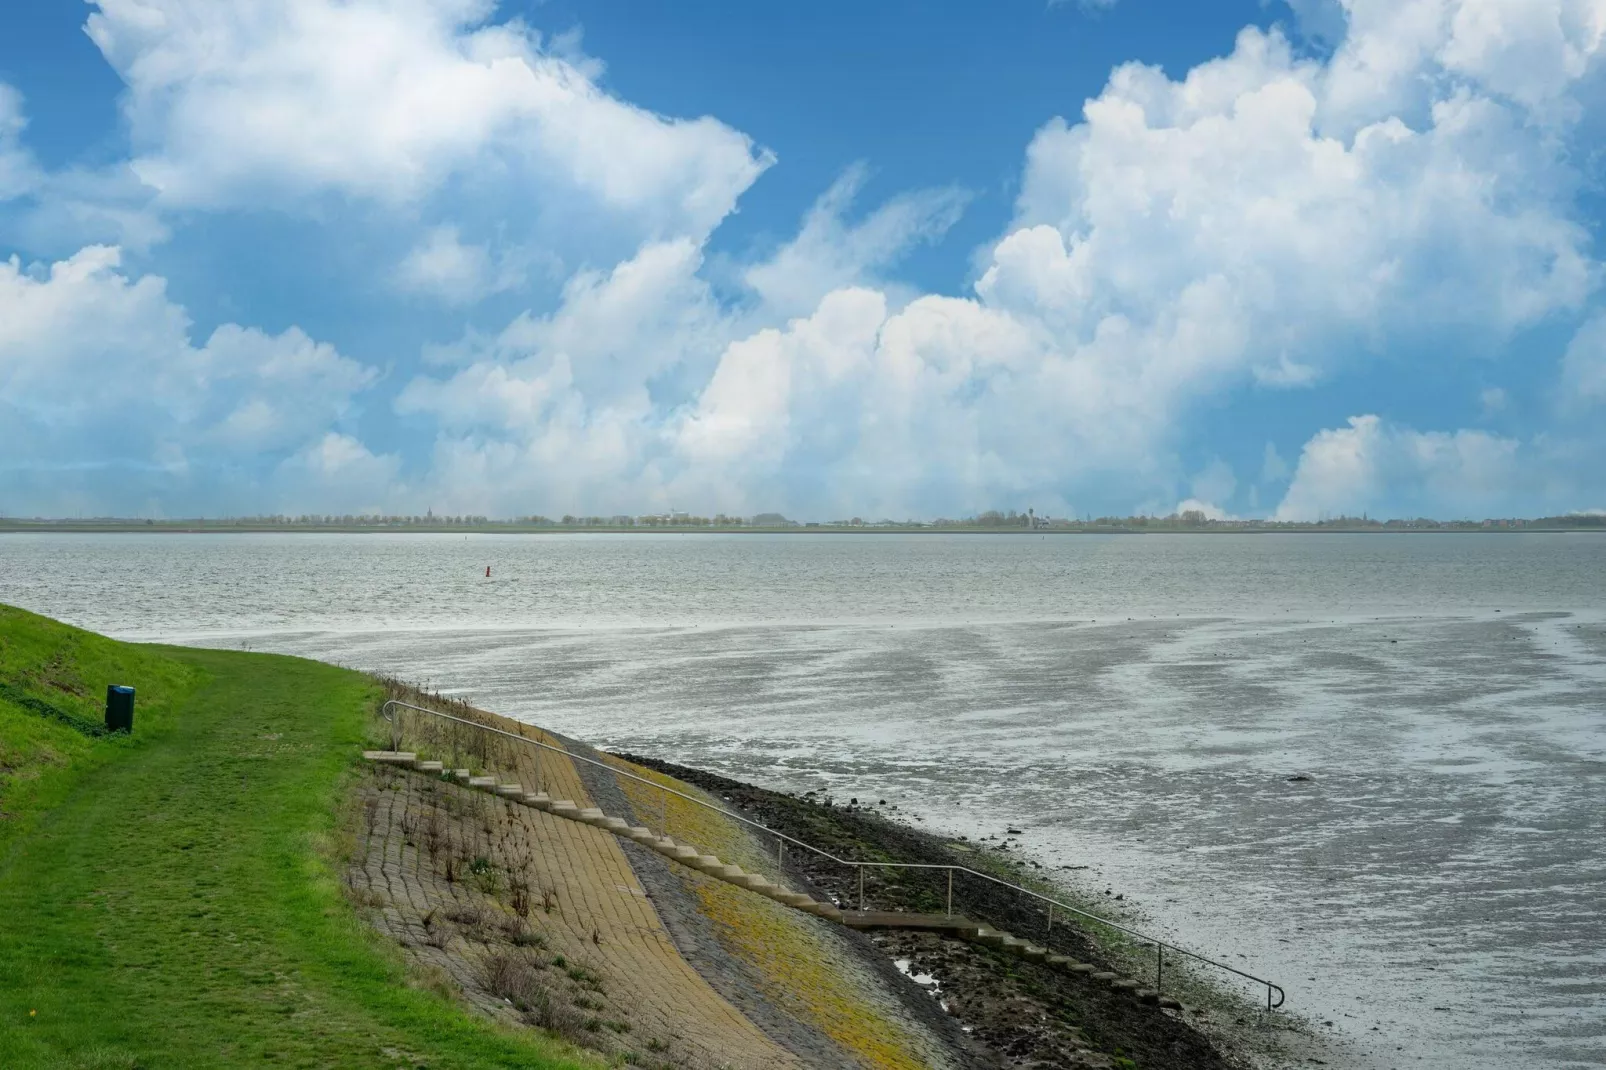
<point x="925" y="980"/>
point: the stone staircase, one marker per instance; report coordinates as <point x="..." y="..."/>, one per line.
<point x="691" y="857"/>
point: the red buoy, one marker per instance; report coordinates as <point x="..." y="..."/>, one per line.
<point x="487" y="571"/>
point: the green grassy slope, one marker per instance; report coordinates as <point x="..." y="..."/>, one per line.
<point x="172" y="899"/>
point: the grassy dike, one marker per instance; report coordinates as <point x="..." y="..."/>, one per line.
<point x="173" y="899"/>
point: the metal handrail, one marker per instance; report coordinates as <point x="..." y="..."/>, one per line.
<point x="1160" y="946"/>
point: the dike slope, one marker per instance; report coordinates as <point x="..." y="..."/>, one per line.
<point x="572" y="928"/>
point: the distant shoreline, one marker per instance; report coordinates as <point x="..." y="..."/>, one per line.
<point x="232" y="528"/>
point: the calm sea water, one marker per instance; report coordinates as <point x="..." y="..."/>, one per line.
<point x="1436" y="889"/>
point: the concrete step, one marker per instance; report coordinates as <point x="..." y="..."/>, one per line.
<point x="462" y="774"/>
<point x="793" y="899"/>
<point x="390" y="757"/>
<point x="538" y="799"/>
<point x="591" y="816"/>
<point x="753" y="882"/>
<point x="953" y="924"/>
<point x="1149" y="996"/>
<point x="435" y="768"/>
<point x="564" y="808"/>
<point x="707" y="864"/>
<point x="1170" y="1004"/>
<point x="1124" y="984"/>
<point x="728" y="873"/>
<point x="510" y="791"/>
<point x="641" y="834"/>
<point x="483" y="783"/>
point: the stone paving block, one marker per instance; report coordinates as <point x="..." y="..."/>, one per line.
<point x="600" y="919"/>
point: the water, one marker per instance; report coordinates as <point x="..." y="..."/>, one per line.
<point x="1436" y="889"/>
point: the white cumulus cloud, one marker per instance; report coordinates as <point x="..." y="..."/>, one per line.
<point x="830" y="252"/>
<point x="442" y="265"/>
<point x="236" y="103"/>
<point x="19" y="173"/>
<point x="1371" y="466"/>
<point x="1584" y="367"/>
<point x="98" y="372"/>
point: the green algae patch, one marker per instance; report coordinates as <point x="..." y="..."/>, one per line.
<point x="805" y="970"/>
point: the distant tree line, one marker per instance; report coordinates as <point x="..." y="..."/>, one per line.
<point x="990" y="520"/>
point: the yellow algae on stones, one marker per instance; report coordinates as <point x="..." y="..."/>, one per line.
<point x="808" y="969"/>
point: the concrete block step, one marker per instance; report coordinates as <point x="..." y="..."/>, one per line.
<point x="564" y="808"/>
<point x="641" y="834"/>
<point x="1149" y="996"/>
<point x="390" y="757"/>
<point x="430" y="767"/>
<point x="792" y="899"/>
<point x="1170" y="1004"/>
<point x="707" y="864"/>
<point x="953" y="924"/>
<point x="1124" y="984"/>
<point x="1104" y="975"/>
<point x="591" y="816"/>
<point x="463" y="775"/>
<point x="510" y="791"/>
<point x="538" y="799"/>
<point x="483" y="783"/>
<point x="616" y="825"/>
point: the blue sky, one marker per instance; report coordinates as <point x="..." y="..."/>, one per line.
<point x="1293" y="257"/>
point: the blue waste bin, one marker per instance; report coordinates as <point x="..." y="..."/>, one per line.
<point x="119" y="708"/>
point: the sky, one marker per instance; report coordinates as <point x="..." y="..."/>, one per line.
<point x="1263" y="258"/>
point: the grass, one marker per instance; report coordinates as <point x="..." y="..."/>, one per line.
<point x="173" y="899"/>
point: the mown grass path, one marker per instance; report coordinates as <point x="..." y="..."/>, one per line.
<point x="175" y="905"/>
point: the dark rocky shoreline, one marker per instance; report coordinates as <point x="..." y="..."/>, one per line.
<point x="1018" y="1013"/>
